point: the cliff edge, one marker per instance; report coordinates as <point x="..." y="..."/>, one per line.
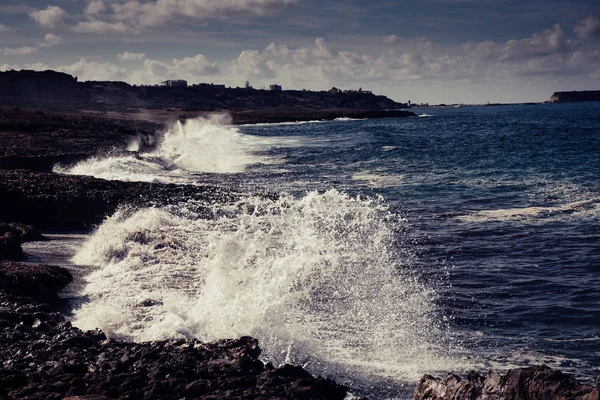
<point x="569" y="97"/>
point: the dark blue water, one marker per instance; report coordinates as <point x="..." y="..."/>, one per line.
<point x="504" y="209"/>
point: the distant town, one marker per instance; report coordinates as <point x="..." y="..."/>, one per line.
<point x="274" y="87"/>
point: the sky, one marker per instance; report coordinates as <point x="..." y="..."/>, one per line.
<point x="425" y="51"/>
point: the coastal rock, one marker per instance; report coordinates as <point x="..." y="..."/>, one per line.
<point x="535" y="383"/>
<point x="25" y="233"/>
<point x="12" y="235"/>
<point x="37" y="281"/>
<point x="61" y="361"/>
<point x="10" y="246"/>
<point x="575" y="96"/>
<point x="55" y="201"/>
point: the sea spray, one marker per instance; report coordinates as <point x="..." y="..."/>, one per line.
<point x="201" y="145"/>
<point x="319" y="280"/>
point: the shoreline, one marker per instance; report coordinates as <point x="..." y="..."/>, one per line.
<point x="31" y="144"/>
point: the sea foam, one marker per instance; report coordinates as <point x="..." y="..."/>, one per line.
<point x="201" y="145"/>
<point x="320" y="280"/>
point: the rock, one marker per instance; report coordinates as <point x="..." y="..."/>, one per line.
<point x="37" y="281"/>
<point x="10" y="247"/>
<point x="540" y="382"/>
<point x="575" y="96"/>
<point x="25" y="233"/>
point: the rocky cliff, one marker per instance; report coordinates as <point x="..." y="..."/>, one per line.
<point x="567" y="97"/>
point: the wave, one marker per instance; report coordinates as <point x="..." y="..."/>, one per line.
<point x="203" y="145"/>
<point x="319" y="280"/>
<point x="589" y="208"/>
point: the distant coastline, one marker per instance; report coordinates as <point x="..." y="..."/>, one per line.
<point x="575" y="96"/>
<point x="57" y="91"/>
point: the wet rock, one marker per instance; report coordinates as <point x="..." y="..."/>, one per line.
<point x="38" y="281"/>
<point x="10" y="247"/>
<point x="539" y="382"/>
<point x="25" y="233"/>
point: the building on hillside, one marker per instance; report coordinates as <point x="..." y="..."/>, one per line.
<point x="175" y="83"/>
<point x="276" y="88"/>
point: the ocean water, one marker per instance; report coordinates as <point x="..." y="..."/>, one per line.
<point x="466" y="238"/>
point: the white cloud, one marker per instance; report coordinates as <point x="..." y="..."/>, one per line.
<point x="95" y="7"/>
<point x="101" y="27"/>
<point x="21" y="51"/>
<point x="550" y="41"/>
<point x="86" y="69"/>
<point x="127" y="56"/>
<point x="192" y="69"/>
<point x="133" y="15"/>
<point x="587" y="28"/>
<point x="51" y="40"/>
<point x="390" y="39"/>
<point x="50" y="17"/>
<point x="4" y="28"/>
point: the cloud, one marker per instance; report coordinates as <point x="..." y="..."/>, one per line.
<point x="548" y="42"/>
<point x="192" y="69"/>
<point x="21" y="51"/>
<point x="95" y="7"/>
<point x="101" y="27"/>
<point x="51" y="40"/>
<point x="390" y="39"/>
<point x="127" y="56"/>
<point x="86" y="69"/>
<point x="587" y="28"/>
<point x="134" y="16"/>
<point x="50" y="17"/>
<point x="4" y="28"/>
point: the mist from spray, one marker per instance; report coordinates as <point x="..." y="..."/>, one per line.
<point x="318" y="280"/>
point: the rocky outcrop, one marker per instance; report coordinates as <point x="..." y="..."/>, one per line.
<point x="53" y="201"/>
<point x="37" y="140"/>
<point x="567" y="97"/>
<point x="534" y="383"/>
<point x="44" y="357"/>
<point x="37" y="281"/>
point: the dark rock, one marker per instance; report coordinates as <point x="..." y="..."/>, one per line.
<point x="25" y="233"/>
<point x="534" y="383"/>
<point x="10" y="247"/>
<point x="38" y="281"/>
<point x="569" y="97"/>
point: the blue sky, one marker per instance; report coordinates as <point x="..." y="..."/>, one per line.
<point x="435" y="51"/>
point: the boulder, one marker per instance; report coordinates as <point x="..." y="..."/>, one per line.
<point x="534" y="383"/>
<point x="37" y="281"/>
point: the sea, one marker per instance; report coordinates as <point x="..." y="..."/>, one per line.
<point x="368" y="251"/>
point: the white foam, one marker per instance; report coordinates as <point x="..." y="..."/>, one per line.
<point x="316" y="280"/>
<point x="202" y="145"/>
<point x="589" y="208"/>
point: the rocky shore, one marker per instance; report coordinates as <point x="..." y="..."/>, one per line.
<point x="44" y="357"/>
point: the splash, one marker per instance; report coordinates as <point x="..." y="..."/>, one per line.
<point x="202" y="145"/>
<point x="319" y="280"/>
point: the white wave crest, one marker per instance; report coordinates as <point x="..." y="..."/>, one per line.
<point x="316" y="280"/>
<point x="205" y="145"/>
